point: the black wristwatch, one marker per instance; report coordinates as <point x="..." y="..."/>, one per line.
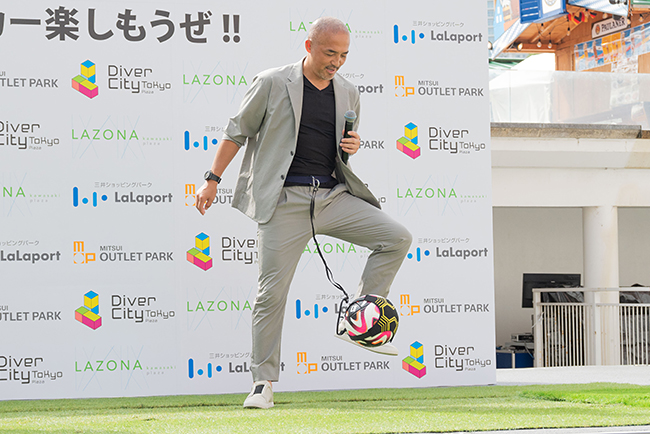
<point x="209" y="176"/>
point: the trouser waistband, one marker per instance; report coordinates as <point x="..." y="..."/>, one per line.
<point x="325" y="181"/>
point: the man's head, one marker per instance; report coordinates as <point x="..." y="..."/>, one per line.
<point x="327" y="47"/>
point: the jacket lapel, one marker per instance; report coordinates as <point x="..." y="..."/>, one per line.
<point x="342" y="104"/>
<point x="294" y="88"/>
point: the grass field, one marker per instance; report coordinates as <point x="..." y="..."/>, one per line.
<point x="368" y="411"/>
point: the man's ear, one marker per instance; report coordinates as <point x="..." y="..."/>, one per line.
<point x="308" y="45"/>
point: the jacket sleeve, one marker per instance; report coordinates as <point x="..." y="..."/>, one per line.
<point x="247" y="122"/>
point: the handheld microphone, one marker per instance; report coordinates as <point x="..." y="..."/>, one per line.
<point x="350" y="117"/>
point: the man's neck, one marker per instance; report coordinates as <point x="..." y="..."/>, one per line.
<point x="325" y="84"/>
<point x="318" y="83"/>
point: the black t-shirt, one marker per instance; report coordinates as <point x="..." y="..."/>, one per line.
<point x="316" y="148"/>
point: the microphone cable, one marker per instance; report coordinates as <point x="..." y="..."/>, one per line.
<point x="346" y="298"/>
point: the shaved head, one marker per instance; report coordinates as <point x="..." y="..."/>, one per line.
<point x="326" y="26"/>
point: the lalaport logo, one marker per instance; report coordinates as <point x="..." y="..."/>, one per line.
<point x="127" y="198"/>
<point x="318" y="310"/>
<point x="418" y="254"/>
<point x="194" y="372"/>
<point x="85" y="82"/>
<point x="188" y="143"/>
<point x="409" y="36"/>
<point x="448" y="253"/>
<point x="84" y="200"/>
<point x="209" y="369"/>
<point x="445" y="36"/>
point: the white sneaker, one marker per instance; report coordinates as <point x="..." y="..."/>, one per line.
<point x="261" y="395"/>
<point x="386" y="349"/>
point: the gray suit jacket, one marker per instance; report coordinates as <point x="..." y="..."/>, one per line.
<point x="268" y="122"/>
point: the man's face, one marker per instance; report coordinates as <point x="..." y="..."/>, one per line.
<point x="328" y="54"/>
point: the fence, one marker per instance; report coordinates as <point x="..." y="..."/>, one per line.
<point x="598" y="330"/>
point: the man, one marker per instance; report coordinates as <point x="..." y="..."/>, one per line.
<point x="291" y="120"/>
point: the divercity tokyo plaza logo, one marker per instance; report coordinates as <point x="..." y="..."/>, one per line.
<point x="88" y="314"/>
<point x="199" y="255"/>
<point x="414" y="364"/>
<point x="458" y="358"/>
<point x="84" y="83"/>
<point x="408" y="143"/>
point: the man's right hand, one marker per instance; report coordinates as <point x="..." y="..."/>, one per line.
<point x="205" y="196"/>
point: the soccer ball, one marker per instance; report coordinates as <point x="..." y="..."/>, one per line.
<point x="371" y="320"/>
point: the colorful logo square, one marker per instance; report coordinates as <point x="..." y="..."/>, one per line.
<point x="409" y="143"/>
<point x="199" y="255"/>
<point x="414" y="364"/>
<point x="85" y="82"/>
<point x="88" y="314"/>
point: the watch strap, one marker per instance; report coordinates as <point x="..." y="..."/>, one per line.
<point x="211" y="176"/>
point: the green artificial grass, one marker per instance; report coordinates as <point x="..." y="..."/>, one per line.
<point x="635" y="396"/>
<point x="365" y="411"/>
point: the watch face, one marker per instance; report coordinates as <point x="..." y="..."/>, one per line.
<point x="211" y="176"/>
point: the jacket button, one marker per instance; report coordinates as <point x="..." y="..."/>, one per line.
<point x="282" y="177"/>
<point x="291" y="153"/>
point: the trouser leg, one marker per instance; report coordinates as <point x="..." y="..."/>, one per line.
<point x="354" y="220"/>
<point x="281" y="243"/>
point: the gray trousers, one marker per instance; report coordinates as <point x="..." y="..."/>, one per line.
<point x="282" y="241"/>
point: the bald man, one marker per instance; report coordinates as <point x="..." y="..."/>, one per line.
<point x="291" y="123"/>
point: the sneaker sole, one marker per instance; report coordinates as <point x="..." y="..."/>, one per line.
<point x="264" y="405"/>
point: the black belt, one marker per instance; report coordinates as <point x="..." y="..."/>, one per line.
<point x="325" y="181"/>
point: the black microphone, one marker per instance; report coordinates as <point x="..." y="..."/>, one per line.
<point x="350" y="117"/>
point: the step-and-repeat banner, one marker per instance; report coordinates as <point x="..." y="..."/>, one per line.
<point x="112" y="284"/>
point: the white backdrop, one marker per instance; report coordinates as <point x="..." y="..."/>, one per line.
<point x="168" y="326"/>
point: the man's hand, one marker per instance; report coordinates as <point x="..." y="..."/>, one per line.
<point x="352" y="143"/>
<point x="205" y="196"/>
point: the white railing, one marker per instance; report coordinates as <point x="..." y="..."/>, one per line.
<point x="598" y="331"/>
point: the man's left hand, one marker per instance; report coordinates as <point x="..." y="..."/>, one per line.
<point x="352" y="143"/>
